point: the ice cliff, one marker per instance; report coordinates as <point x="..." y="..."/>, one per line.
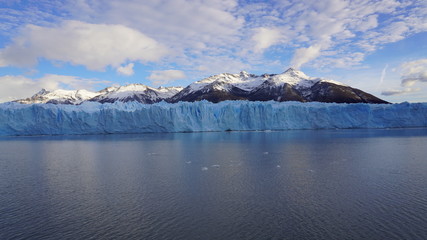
<point x="134" y="117"/>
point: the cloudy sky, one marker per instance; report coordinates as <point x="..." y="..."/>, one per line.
<point x="379" y="46"/>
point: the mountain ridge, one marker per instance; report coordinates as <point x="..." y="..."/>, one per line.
<point x="291" y="85"/>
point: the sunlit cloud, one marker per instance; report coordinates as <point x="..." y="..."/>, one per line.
<point x="396" y="92"/>
<point x="383" y="74"/>
<point x="159" y="78"/>
<point x="126" y="70"/>
<point x="94" y="46"/>
<point x="195" y="29"/>
<point x="17" y="86"/>
<point x="265" y="38"/>
<point x="413" y="72"/>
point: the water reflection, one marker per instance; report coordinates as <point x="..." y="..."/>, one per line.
<point x="328" y="184"/>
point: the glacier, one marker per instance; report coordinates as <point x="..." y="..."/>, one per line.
<point x="134" y="117"/>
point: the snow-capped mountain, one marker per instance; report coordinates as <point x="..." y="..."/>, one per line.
<point x="291" y="85"/>
<point x="136" y="92"/>
<point x="60" y="96"/>
<point x="132" y="92"/>
<point x="218" y="88"/>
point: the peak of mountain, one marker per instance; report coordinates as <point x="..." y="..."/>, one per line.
<point x="295" y="73"/>
<point x="42" y="92"/>
<point x="291" y="85"/>
<point x="60" y="96"/>
<point x="137" y="92"/>
<point x="244" y="74"/>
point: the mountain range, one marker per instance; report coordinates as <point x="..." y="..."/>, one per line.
<point x="291" y="85"/>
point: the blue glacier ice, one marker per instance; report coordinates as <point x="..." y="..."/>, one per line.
<point x="133" y="117"/>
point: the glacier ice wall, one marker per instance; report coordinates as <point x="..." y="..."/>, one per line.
<point x="133" y="117"/>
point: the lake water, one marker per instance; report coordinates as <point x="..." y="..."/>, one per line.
<point x="326" y="184"/>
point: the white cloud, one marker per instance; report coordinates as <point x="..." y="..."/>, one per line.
<point x="413" y="72"/>
<point x="219" y="64"/>
<point x="15" y="87"/>
<point x="179" y="24"/>
<point x="368" y="23"/>
<point x="349" y="60"/>
<point x="264" y="38"/>
<point x="191" y="29"/>
<point x="396" y="92"/>
<point x="196" y="31"/>
<point x="392" y="33"/>
<point x="304" y="55"/>
<point x="15" y="13"/>
<point x="18" y="87"/>
<point x="95" y="46"/>
<point x="347" y="27"/>
<point x="54" y="81"/>
<point x="165" y="76"/>
<point x="126" y="70"/>
<point x="383" y="73"/>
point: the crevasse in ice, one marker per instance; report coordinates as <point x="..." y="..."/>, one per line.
<point x="133" y="117"/>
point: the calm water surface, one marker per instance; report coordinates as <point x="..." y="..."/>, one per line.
<point x="328" y="184"/>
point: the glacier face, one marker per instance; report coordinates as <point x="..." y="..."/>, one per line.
<point x="134" y="117"/>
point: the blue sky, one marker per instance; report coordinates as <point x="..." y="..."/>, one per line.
<point x="379" y="46"/>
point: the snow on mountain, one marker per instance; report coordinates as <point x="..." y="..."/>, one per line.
<point x="168" y="92"/>
<point x="291" y="85"/>
<point x="299" y="79"/>
<point x="137" y="92"/>
<point x="249" y="82"/>
<point x="60" y="96"/>
<point x="294" y="78"/>
<point x="243" y="80"/>
<point x="132" y="92"/>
